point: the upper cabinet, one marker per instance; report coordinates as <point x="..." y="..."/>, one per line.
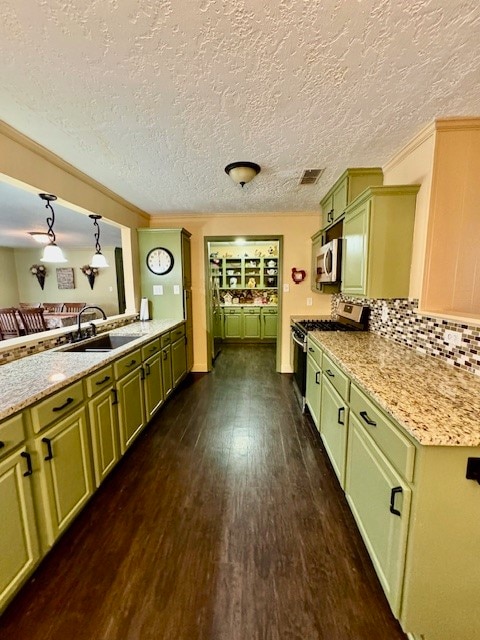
<point x="451" y="284"/>
<point x="377" y="242"/>
<point x="350" y="185"/>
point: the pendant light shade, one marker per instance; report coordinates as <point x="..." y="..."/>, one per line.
<point x="51" y="252"/>
<point x="98" y="261"/>
<point x="242" y="172"/>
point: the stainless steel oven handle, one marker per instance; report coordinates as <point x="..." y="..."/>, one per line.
<point x="300" y="343"/>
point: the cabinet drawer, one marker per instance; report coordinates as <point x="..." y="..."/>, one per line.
<point x="127" y="363"/>
<point x="314" y="351"/>
<point x="228" y="312"/>
<point x="393" y="444"/>
<point x="251" y="311"/>
<point x="267" y="312"/>
<point x="57" y="406"/>
<point x="336" y="377"/>
<point x="165" y="339"/>
<point x="177" y="333"/>
<point x="99" y="380"/>
<point x="151" y="348"/>
<point x="12" y="433"/>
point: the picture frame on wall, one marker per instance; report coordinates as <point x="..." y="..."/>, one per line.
<point x="65" y="278"/>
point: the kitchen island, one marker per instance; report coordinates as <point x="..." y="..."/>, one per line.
<point x="402" y="432"/>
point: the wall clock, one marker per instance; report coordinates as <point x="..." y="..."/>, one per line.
<point x="160" y="261"/>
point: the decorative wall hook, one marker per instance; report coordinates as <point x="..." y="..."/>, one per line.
<point x="298" y="275"/>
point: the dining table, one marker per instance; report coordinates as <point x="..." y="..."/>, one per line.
<point x="57" y="320"/>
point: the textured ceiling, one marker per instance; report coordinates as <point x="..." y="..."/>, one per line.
<point x="153" y="98"/>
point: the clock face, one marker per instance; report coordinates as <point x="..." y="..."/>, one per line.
<point x="160" y="261"/>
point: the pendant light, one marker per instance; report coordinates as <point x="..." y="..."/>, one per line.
<point x="98" y="259"/>
<point x="52" y="252"/>
<point x="242" y="172"/>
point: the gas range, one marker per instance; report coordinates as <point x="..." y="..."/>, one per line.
<point x="350" y="317"/>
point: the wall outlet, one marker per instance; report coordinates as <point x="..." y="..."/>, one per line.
<point x="309" y="302"/>
<point x="384" y="313"/>
<point x="158" y="289"/>
<point x="286" y="288"/>
<point x="452" y="337"/>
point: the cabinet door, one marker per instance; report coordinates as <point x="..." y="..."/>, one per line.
<point x="66" y="474"/>
<point x="18" y="534"/>
<point x="251" y="324"/>
<point x="334" y="425"/>
<point x="269" y="325"/>
<point x="372" y="486"/>
<point x="102" y="412"/>
<point x="130" y="407"/>
<point x="189" y="327"/>
<point x="317" y="241"/>
<point x="186" y="262"/>
<point x="340" y="199"/>
<point x="179" y="362"/>
<point x="313" y="395"/>
<point x="355" y="250"/>
<point x="167" y="371"/>
<point x="232" y="324"/>
<point x="153" y="385"/>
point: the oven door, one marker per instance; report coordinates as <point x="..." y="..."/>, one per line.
<point x="299" y="368"/>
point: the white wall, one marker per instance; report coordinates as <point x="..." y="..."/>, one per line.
<point x="8" y="275"/>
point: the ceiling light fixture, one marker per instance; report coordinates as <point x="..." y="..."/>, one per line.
<point x="51" y="253"/>
<point x="39" y="236"/>
<point x="242" y="172"/>
<point x="99" y="261"/>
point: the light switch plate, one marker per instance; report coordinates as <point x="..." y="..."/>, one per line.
<point x="158" y="289"/>
<point x="286" y="288"/>
<point x="309" y="302"/>
<point x="176" y="289"/>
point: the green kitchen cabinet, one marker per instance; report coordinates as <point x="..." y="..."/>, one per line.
<point x="167" y="379"/>
<point x="348" y="187"/>
<point x="65" y="476"/>
<point x="380" y="502"/>
<point x="251" y="323"/>
<point x="232" y="321"/>
<point x="334" y="427"/>
<point x="19" y="549"/>
<point x="313" y="394"/>
<point x="377" y="245"/>
<point x="153" y="385"/>
<point x="131" y="406"/>
<point x="103" y="420"/>
<point x="269" y="321"/>
<point x="179" y="362"/>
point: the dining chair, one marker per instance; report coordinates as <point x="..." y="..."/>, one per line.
<point x="53" y="307"/>
<point x="73" y="307"/>
<point x="9" y="326"/>
<point x="32" y="320"/>
<point x="28" y="305"/>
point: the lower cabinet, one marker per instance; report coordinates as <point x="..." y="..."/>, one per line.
<point x="65" y="474"/>
<point x="232" y="323"/>
<point x="251" y="323"/>
<point x="313" y="395"/>
<point x="102" y="412"/>
<point x="131" y="407"/>
<point x="334" y="426"/>
<point x="153" y="385"/>
<point x="167" y="371"/>
<point x="269" y="318"/>
<point x="19" y="550"/>
<point x="380" y="502"/>
<point x="179" y="360"/>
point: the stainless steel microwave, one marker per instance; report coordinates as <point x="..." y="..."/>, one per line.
<point x="328" y="260"/>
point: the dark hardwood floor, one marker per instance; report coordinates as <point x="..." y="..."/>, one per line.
<point x="223" y="522"/>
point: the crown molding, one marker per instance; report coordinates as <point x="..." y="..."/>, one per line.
<point x="29" y="144"/>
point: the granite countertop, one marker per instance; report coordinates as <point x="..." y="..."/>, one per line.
<point x="435" y="403"/>
<point x="30" y="379"/>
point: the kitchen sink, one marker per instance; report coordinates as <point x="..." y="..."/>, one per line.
<point x="101" y="343"/>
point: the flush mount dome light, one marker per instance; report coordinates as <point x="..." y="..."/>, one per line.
<point x="242" y="172"/>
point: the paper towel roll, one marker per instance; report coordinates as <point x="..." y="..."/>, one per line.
<point x="144" y="314"/>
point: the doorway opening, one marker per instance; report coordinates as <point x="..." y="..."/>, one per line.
<point x="243" y="277"/>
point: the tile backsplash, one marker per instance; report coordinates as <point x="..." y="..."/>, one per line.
<point x="402" y="323"/>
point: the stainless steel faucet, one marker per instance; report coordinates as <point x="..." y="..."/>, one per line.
<point x="79" y="328"/>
